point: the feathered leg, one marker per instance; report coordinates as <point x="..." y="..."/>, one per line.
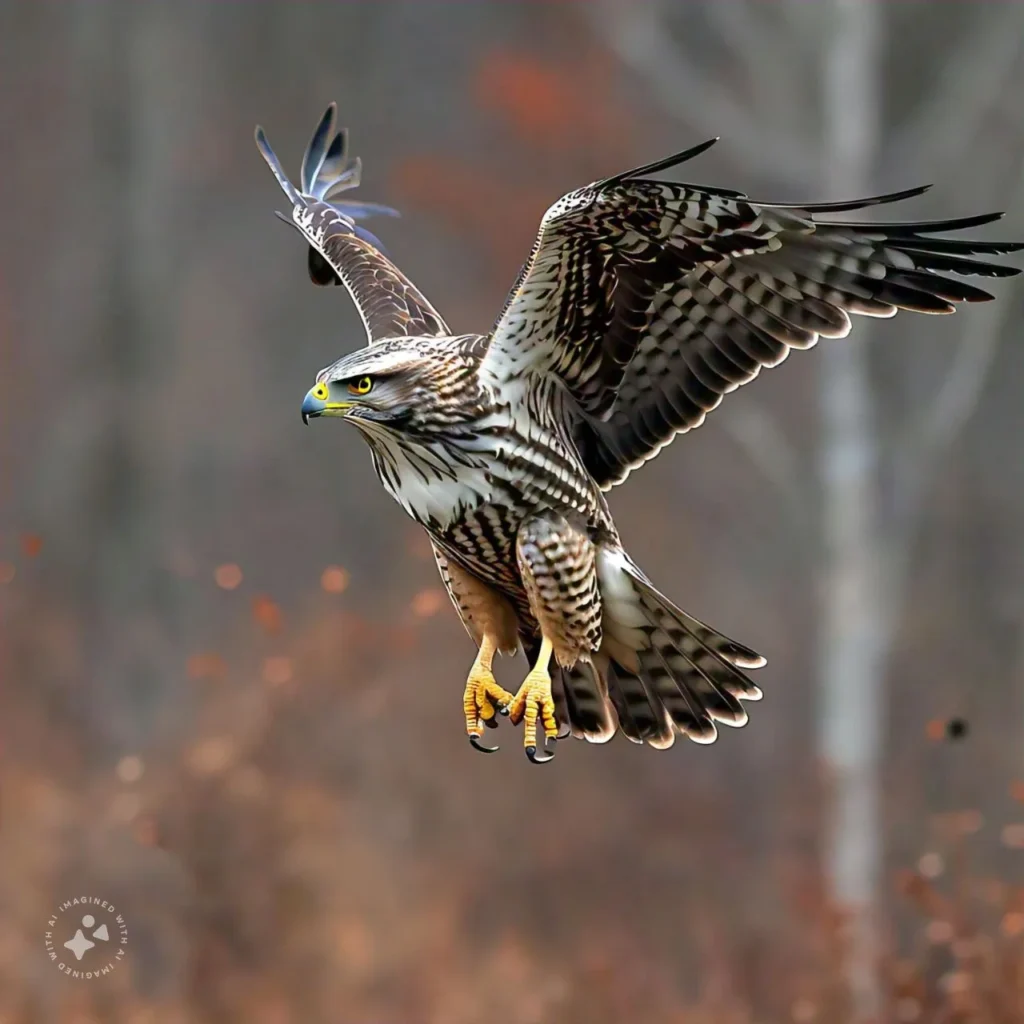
<point x="557" y="564"/>
<point x="492" y="623"/>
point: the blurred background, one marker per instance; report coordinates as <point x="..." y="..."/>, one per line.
<point x="231" y="684"/>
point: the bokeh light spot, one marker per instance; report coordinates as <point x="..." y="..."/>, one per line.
<point x="130" y="768"/>
<point x="266" y="613"/>
<point x="206" y="665"/>
<point x="334" y="579"/>
<point x="228" y="576"/>
<point x="427" y="603"/>
<point x="31" y="544"/>
<point x="277" y="671"/>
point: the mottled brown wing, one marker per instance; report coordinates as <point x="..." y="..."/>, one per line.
<point x="724" y="320"/>
<point x="341" y="250"/>
<point x="602" y="255"/>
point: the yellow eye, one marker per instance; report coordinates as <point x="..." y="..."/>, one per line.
<point x="363" y="386"/>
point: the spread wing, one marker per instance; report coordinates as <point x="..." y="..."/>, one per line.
<point x="652" y="300"/>
<point x="341" y="250"/>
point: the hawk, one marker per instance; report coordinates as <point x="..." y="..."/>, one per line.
<point x="642" y="303"/>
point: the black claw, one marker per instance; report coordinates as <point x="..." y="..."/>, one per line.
<point x="491" y="723"/>
<point x="476" y="744"/>
<point x="503" y="711"/>
<point x="546" y="754"/>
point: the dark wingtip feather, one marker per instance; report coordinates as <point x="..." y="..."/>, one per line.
<point x="275" y="165"/>
<point x="317" y="149"/>
<point x="951" y="223"/>
<point x="658" y="165"/>
<point x="847" y="205"/>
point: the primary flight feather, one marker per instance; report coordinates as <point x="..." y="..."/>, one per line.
<point x="642" y="303"/>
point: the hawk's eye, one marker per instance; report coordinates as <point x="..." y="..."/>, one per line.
<point x="363" y="386"/>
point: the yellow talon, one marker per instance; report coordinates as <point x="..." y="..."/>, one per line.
<point x="533" y="702"/>
<point x="483" y="695"/>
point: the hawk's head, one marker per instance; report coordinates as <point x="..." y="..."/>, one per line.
<point x="412" y="386"/>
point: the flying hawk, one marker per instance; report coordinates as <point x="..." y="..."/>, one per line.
<point x="642" y="303"/>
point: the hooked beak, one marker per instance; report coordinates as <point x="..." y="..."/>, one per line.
<point x="318" y="403"/>
<point x="311" y="406"/>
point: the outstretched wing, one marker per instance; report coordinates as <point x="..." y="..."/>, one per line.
<point x="652" y="300"/>
<point x="341" y="250"/>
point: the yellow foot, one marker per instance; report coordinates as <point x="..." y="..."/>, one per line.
<point x="483" y="698"/>
<point x="534" y="702"/>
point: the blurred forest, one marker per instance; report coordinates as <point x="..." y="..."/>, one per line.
<point x="231" y="682"/>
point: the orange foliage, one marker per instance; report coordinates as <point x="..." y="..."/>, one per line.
<point x="206" y="666"/>
<point x="266" y="613"/>
<point x="563" y="112"/>
<point x="551" y="105"/>
<point x="31" y="544"/>
<point x="499" y="215"/>
<point x="334" y="579"/>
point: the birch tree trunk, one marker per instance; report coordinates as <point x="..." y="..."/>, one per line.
<point x="851" y="653"/>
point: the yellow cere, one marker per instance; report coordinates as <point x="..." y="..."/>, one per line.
<point x="320" y="392"/>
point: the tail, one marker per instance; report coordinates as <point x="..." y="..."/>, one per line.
<point x="659" y="671"/>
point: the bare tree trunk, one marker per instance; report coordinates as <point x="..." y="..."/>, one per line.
<point x="852" y="639"/>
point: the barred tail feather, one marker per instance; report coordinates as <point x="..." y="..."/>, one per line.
<point x="670" y="673"/>
<point x="583" y="705"/>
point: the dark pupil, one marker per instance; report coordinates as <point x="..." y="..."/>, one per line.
<point x="364" y="384"/>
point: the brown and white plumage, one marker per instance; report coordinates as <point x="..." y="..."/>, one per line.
<point x="641" y="305"/>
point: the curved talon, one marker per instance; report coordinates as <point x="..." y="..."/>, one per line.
<point x="547" y="752"/>
<point x="476" y="743"/>
<point x="482" y="696"/>
<point x="503" y="710"/>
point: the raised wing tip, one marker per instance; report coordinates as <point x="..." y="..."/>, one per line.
<point x="646" y="170"/>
